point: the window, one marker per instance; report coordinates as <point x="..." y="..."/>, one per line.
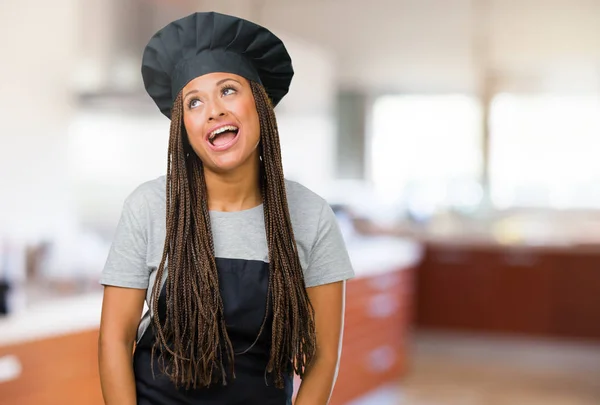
<point x="545" y="151"/>
<point x="426" y="151"/>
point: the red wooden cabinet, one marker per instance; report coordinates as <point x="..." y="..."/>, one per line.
<point x="378" y="315"/>
<point x="527" y="290"/>
<point x="576" y="292"/>
<point x="56" y="371"/>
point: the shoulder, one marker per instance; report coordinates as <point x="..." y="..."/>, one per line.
<point x="322" y="249"/>
<point x="309" y="213"/>
<point x="146" y="197"/>
<point x="302" y="200"/>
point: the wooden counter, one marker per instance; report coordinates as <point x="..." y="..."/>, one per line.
<point x="378" y="315"/>
<point x="55" y="371"/>
<point x="48" y="355"/>
<point x="542" y="291"/>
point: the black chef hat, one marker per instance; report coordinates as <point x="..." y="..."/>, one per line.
<point x="204" y="43"/>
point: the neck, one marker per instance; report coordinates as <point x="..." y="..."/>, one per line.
<point x="236" y="190"/>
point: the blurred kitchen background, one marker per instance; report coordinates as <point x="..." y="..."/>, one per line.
<point x="457" y="140"/>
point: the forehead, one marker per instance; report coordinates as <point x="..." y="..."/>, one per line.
<point x="210" y="80"/>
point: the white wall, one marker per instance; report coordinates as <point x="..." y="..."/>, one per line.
<point x="430" y="45"/>
<point x="37" y="41"/>
<point x="306" y="116"/>
<point x="111" y="153"/>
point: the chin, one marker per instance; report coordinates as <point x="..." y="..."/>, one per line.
<point x="225" y="168"/>
<point x="227" y="162"/>
<point x="225" y="165"/>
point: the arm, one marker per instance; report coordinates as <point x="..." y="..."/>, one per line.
<point x="121" y="312"/>
<point x="125" y="277"/>
<point x="318" y="382"/>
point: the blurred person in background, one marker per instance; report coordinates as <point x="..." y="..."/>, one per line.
<point x="255" y="286"/>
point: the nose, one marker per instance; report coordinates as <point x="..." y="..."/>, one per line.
<point x="217" y="110"/>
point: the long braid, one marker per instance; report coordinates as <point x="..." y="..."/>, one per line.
<point x="193" y="333"/>
<point x="193" y="336"/>
<point x="294" y="337"/>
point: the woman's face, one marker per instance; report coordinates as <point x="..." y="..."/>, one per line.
<point x="220" y="117"/>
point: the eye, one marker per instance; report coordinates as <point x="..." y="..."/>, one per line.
<point x="193" y="103"/>
<point x="228" y="90"/>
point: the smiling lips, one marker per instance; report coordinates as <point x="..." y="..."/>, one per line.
<point x="223" y="137"/>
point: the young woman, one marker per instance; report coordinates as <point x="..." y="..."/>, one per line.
<point x="243" y="271"/>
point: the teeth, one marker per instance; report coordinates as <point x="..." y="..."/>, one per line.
<point x="221" y="130"/>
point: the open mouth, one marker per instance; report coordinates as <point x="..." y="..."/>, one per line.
<point x="222" y="136"/>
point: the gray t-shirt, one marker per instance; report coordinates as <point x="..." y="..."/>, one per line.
<point x="241" y="253"/>
<point x="138" y="243"/>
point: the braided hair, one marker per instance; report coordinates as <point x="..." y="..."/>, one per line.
<point x="192" y="342"/>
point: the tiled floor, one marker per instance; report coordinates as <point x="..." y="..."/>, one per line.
<point x="472" y="370"/>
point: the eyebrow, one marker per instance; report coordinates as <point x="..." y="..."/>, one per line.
<point x="189" y="92"/>
<point x="220" y="82"/>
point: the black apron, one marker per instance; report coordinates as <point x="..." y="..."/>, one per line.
<point x="243" y="285"/>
